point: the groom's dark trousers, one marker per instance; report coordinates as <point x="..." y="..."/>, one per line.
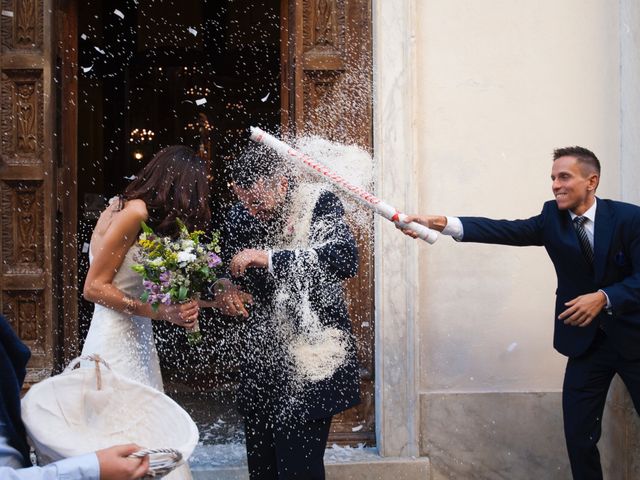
<point x="610" y="344"/>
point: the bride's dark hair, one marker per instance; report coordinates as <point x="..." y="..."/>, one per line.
<point x="173" y="185"/>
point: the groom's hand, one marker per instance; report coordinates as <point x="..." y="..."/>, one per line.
<point x="248" y="258"/>
<point x="231" y="300"/>
<point x="115" y="463"/>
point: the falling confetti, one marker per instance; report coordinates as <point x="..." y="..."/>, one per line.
<point x="7" y="13"/>
<point x="119" y="13"/>
<point x="99" y="50"/>
<point x="512" y="347"/>
<point x="266" y="97"/>
<point x="192" y="31"/>
<point x="87" y="69"/>
<point x="201" y="101"/>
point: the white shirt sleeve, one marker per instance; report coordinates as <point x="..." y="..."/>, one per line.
<point x="607" y="307"/>
<point x="84" y="467"/>
<point x="270" y="263"/>
<point x="453" y="228"/>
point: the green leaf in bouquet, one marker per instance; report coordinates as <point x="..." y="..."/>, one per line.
<point x="183" y="292"/>
<point x="138" y="268"/>
<point x="146" y="228"/>
<point x="145" y="296"/>
<point x="194" y="338"/>
<point x="182" y="227"/>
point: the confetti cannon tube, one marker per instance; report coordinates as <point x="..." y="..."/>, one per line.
<point x="366" y="198"/>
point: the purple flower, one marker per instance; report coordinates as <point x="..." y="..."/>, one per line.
<point x="166" y="299"/>
<point x="213" y="260"/>
<point x="151" y="287"/>
<point x="165" y="278"/>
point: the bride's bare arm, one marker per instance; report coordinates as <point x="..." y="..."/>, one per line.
<point x="107" y="259"/>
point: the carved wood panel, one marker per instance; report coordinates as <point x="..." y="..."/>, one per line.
<point x="22" y="117"/>
<point x="22" y="24"/>
<point x="28" y="179"/>
<point x="22" y="227"/>
<point x="23" y="308"/>
<point x="324" y="26"/>
<point x="327" y="91"/>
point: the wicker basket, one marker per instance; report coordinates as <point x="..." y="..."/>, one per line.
<point x="87" y="409"/>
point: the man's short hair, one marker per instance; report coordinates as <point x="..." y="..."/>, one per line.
<point x="583" y="155"/>
<point x="255" y="162"/>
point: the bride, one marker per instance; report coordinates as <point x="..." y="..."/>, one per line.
<point x="172" y="185"/>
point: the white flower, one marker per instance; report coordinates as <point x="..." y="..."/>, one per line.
<point x="188" y="245"/>
<point x="186" y="257"/>
<point x="157" y="262"/>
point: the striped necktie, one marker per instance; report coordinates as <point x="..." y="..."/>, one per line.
<point x="587" y="249"/>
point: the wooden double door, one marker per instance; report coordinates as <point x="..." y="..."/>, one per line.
<point x="324" y="88"/>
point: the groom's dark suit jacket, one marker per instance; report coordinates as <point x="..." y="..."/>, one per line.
<point x="616" y="267"/>
<point x="265" y="386"/>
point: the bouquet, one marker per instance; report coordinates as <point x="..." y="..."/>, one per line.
<point x="176" y="270"/>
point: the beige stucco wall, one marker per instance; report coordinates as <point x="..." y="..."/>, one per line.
<point x="471" y="98"/>
<point x="500" y="86"/>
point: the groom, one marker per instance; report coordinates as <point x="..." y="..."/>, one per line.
<point x="287" y="423"/>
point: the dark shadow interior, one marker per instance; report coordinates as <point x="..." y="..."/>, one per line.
<point x="158" y="72"/>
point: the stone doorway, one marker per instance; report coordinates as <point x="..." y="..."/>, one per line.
<point x="131" y="68"/>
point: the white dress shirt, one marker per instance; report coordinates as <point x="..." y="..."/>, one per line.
<point x="84" y="467"/>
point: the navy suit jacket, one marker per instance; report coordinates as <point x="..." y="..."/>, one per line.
<point x="265" y="387"/>
<point x="14" y="356"/>
<point x="615" y="270"/>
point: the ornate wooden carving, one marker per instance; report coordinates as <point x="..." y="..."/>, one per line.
<point x="22" y="24"/>
<point x="22" y="107"/>
<point x="26" y="107"/>
<point x="28" y="177"/>
<point x="335" y="102"/>
<point x="317" y="88"/>
<point x="22" y="228"/>
<point x="25" y="309"/>
<point x="324" y="25"/>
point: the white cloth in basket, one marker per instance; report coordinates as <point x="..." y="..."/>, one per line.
<point x="68" y="415"/>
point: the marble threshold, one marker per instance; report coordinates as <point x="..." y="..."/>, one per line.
<point x="228" y="462"/>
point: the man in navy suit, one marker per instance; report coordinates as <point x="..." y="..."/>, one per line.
<point x="286" y="235"/>
<point x="594" y="245"/>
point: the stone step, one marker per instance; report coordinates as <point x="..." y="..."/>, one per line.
<point x="228" y="462"/>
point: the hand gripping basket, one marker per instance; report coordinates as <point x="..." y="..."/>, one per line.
<point x="87" y="409"/>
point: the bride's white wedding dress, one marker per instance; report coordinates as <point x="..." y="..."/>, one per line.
<point x="126" y="342"/>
